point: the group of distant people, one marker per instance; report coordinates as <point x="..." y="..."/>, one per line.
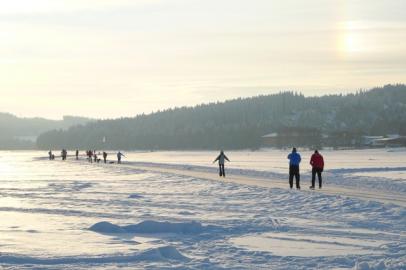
<point x="316" y="161"/>
<point x="90" y="154"/>
<point x="51" y="155"/>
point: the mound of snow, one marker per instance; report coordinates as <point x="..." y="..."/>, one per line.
<point x="186" y="213"/>
<point x="106" y="227"/>
<point x="162" y="253"/>
<point x="154" y="254"/>
<point x="135" y="196"/>
<point x="150" y="227"/>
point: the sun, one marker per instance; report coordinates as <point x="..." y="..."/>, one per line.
<point x="352" y="43"/>
<point x="350" y="39"/>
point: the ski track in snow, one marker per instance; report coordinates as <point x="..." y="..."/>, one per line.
<point x="337" y="177"/>
<point x="112" y="216"/>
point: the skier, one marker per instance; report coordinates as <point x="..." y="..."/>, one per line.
<point x="50" y="154"/>
<point x="221" y="159"/>
<point x="294" y="161"/>
<point x="105" y="157"/>
<point x="119" y="155"/>
<point x="77" y="154"/>
<point x="317" y="163"/>
<point x="89" y="156"/>
<point x="64" y="153"/>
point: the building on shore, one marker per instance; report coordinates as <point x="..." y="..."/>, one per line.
<point x="311" y="137"/>
<point x="392" y="140"/>
<point x="293" y="136"/>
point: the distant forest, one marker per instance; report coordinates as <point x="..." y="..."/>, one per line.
<point x="21" y="133"/>
<point x="241" y="123"/>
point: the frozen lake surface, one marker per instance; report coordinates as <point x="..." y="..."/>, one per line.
<point x="73" y="214"/>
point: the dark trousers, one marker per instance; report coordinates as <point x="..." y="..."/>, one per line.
<point x="221" y="170"/>
<point x="294" y="172"/>
<point x="317" y="171"/>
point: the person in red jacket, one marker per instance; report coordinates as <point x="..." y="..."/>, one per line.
<point x="317" y="163"/>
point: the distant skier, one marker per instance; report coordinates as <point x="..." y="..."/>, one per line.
<point x="105" y="157"/>
<point x="294" y="161"/>
<point x="64" y="153"/>
<point x="77" y="154"/>
<point x="119" y="155"/>
<point x="89" y="156"/>
<point x="221" y="159"/>
<point x="317" y="163"/>
<point x="95" y="156"/>
<point x="50" y="154"/>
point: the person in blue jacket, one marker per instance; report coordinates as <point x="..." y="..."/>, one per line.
<point x="294" y="161"/>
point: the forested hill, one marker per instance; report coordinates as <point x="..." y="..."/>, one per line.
<point x="240" y="123"/>
<point x="21" y="133"/>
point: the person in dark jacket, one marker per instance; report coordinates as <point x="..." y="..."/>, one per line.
<point x="89" y="155"/>
<point x="105" y="157"/>
<point x="317" y="163"/>
<point x="64" y="153"/>
<point x="77" y="154"/>
<point x="50" y="154"/>
<point x="119" y="155"/>
<point x="221" y="159"/>
<point x="294" y="161"/>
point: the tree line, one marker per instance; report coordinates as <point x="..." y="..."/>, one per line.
<point x="240" y="123"/>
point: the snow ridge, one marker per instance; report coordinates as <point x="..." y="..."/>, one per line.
<point x="154" y="254"/>
<point x="151" y="227"/>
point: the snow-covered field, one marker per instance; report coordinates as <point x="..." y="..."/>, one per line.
<point x="76" y="215"/>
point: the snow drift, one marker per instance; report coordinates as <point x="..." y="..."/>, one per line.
<point x="151" y="227"/>
<point x="165" y="253"/>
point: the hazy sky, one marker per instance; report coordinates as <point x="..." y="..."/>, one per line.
<point x="111" y="58"/>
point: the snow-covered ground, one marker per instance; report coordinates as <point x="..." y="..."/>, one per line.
<point x="76" y="215"/>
